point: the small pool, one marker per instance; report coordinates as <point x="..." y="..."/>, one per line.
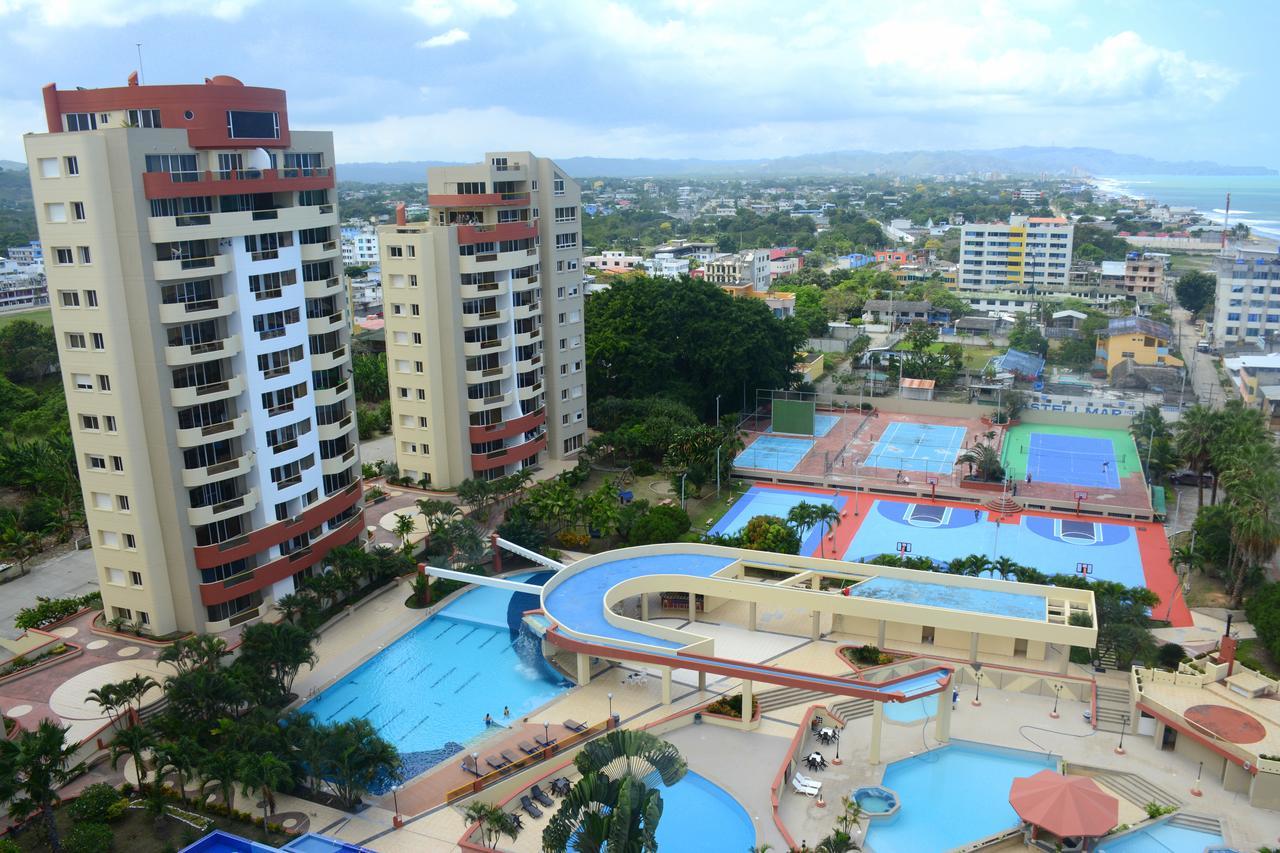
<point x="913" y="711"/>
<point x="428" y="692"/>
<point x="951" y="796"/>
<point x="876" y="800"/>
<point x="1167" y="837"/>
<point x="698" y="815"/>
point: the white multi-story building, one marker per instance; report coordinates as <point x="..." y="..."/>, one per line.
<point x="203" y="335"/>
<point x="613" y="261"/>
<point x="665" y="265"/>
<point x="32" y="253"/>
<point x="744" y="268"/>
<point x="1246" y="305"/>
<point x="359" y="246"/>
<point x="1025" y="252"/>
<point x="22" y="286"/>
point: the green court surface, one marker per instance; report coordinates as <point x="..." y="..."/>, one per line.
<point x="1017" y="444"/>
<point x="43" y="316"/>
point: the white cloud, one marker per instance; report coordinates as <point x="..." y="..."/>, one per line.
<point x="439" y="12"/>
<point x="453" y="36"/>
<point x="116" y="13"/>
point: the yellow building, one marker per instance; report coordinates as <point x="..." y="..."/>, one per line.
<point x="1145" y="342"/>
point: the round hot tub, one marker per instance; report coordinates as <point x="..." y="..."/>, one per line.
<point x="876" y="800"/>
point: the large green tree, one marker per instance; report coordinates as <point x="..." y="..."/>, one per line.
<point x="32" y="770"/>
<point x="1195" y="290"/>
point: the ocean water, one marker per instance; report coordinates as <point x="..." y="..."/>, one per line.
<point x="1255" y="199"/>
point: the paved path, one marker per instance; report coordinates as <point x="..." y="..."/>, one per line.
<point x="62" y="575"/>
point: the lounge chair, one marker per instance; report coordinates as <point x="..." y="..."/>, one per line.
<point x="497" y="762"/>
<point x="527" y="748"/>
<point x="801" y="788"/>
<point x="574" y="726"/>
<point x="517" y="820"/>
<point x="469" y="765"/>
<point x="540" y="796"/>
<point x="529" y="808"/>
<point x="509" y="756"/>
<point x="544" y="740"/>
<point x="807" y="781"/>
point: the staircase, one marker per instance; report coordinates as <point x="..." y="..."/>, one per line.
<point x="1198" y="822"/>
<point x="1139" y="791"/>
<point x="1107" y="657"/>
<point x="1113" y="707"/>
<point x="785" y="697"/>
<point x="1003" y="505"/>
<point x="853" y="709"/>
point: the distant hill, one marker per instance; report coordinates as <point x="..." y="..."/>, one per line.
<point x="1027" y="161"/>
<point x="12" y="166"/>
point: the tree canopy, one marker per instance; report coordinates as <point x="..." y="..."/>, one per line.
<point x="1195" y="290"/>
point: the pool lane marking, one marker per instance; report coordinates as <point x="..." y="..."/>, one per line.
<point x="340" y="710"/>
<point x="492" y="637"/>
<point x="452" y="625"/>
<point x="451" y="671"/>
<point x="464" y="684"/>
<point x="464" y="636"/>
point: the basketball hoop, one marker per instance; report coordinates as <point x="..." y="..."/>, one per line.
<point x="933" y="487"/>
<point x="1081" y="497"/>
<point x="1084" y="570"/>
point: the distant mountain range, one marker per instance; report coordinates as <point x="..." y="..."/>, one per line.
<point x="1024" y="161"/>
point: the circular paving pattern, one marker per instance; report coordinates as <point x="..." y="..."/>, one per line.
<point x="66" y="632"/>
<point x="18" y="711"/>
<point x="128" y="651"/>
<point x="96" y="644"/>
<point x="294" y="823"/>
<point x="1227" y="723"/>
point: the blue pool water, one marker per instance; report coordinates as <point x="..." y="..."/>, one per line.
<point x="765" y="501"/>
<point x="698" y="815"/>
<point x="822" y="424"/>
<point x="1162" y="837"/>
<point x="1050" y="545"/>
<point x="951" y="796"/>
<point x="913" y="711"/>
<point x="428" y="691"/>
<point x="773" y="453"/>
<point x="922" y="592"/>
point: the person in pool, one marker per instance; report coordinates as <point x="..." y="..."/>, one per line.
<point x="488" y="720"/>
<point x="506" y="710"/>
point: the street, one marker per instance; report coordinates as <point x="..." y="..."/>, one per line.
<point x="61" y="576"/>
<point x="1202" y="375"/>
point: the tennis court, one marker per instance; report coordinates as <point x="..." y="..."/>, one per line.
<point x="822" y="424"/>
<point x="1076" y="456"/>
<point x="917" y="447"/>
<point x="774" y="453"/>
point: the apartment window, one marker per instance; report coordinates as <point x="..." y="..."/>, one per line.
<point x="89" y="422"/>
<point x="572" y="443"/>
<point x="48" y="167"/>
<point x="564" y="419"/>
<point x="422" y="393"/>
<point x="55" y="212"/>
<point x="69" y="298"/>
<point x="142" y="118"/>
<point x="395" y="251"/>
<point x="98" y="341"/>
<point x="81" y="121"/>
<point x="91" y="298"/>
<point x="84" y="255"/>
<point x="422" y="422"/>
<point x="251" y="124"/>
<point x="123" y="613"/>
<point x="75" y="340"/>
<point x="567" y="241"/>
<point x="130" y="541"/>
<point x="411" y="251"/>
<point x="82" y="381"/>
<point x="104" y="382"/>
<point x="471" y="188"/>
<point x="77" y="211"/>
<point x="567" y="214"/>
<point x="557" y="185"/>
<point x="96" y="462"/>
<point x="181" y="167"/>
<point x="117" y="463"/>
<point x="122" y="503"/>
<point x="404" y="393"/>
<point x="413" y="281"/>
<point x="417" y="367"/>
<point x="135" y="578"/>
<point x="559" y="293"/>
<point x="72" y="166"/>
<point x="415" y="310"/>
<point x="397" y="310"/>
<point x="144" y="618"/>
<point x="417" y="338"/>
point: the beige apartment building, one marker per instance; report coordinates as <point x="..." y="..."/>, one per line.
<point x="195" y="278"/>
<point x="486" y="356"/>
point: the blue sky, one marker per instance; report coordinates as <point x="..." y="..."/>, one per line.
<point x="446" y="80"/>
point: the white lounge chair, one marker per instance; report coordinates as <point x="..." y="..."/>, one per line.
<point x="807" y="781"/>
<point x="801" y="788"/>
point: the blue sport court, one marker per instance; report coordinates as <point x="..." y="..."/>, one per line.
<point x="822" y="424"/>
<point x="1052" y="545"/>
<point x="762" y="501"/>
<point x="774" y="453"/>
<point x="1076" y="460"/>
<point x="917" y="447"/>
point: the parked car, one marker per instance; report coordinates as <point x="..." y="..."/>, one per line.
<point x="1187" y="477"/>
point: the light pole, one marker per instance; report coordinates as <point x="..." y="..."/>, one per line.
<point x="682" y="476"/>
<point x="977" y="685"/>
<point x="1125" y="725"/>
<point x="610" y="706"/>
<point x="1057" y="694"/>
<point x="395" y="799"/>
<point x="1195" y="789"/>
<point x="718" y="449"/>
<point x="546" y="734"/>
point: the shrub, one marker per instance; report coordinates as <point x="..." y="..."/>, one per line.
<point x="866" y="407"/>
<point x="572" y="539"/>
<point x="727" y="706"/>
<point x="643" y="468"/>
<point x="9" y="846"/>
<point x="1155" y="810"/>
<point x="1263" y="612"/>
<point x="89" y="838"/>
<point x="869" y="655"/>
<point x="660" y="524"/>
<point x="94" y="803"/>
<point x="1169" y="656"/>
<point x="47" y="610"/>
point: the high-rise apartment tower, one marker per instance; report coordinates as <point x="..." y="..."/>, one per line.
<point x="196" y="283"/>
<point x="484" y="321"/>
<point x="1024" y="253"/>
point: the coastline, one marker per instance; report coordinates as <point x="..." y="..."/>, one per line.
<point x="1255" y="200"/>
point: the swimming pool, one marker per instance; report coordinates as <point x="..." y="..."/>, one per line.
<point x="761" y="500"/>
<point x="698" y="815"/>
<point x="951" y="796"/>
<point x="992" y="602"/>
<point x="912" y="712"/>
<point x="428" y="692"/>
<point x="1166" y="836"/>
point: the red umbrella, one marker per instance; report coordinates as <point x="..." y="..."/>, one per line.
<point x="1067" y="806"/>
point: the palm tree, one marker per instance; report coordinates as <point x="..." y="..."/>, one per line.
<point x="357" y="758"/>
<point x="108" y="698"/>
<point x="827" y="516"/>
<point x="986" y="459"/>
<point x="203" y="651"/>
<point x="404" y="528"/>
<point x="18" y="545"/>
<point x="134" y="742"/>
<point x="180" y="759"/>
<point x="612" y="804"/>
<point x="1194" y="439"/>
<point x="221" y="766"/>
<point x="264" y="772"/>
<point x="32" y="770"/>
<point x="295" y="607"/>
<point x="494" y="822"/>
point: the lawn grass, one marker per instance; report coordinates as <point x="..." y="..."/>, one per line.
<point x="1253" y="654"/>
<point x="43" y="316"/>
<point x="975" y="356"/>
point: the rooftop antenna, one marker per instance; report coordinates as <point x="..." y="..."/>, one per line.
<point x="141" y="78"/>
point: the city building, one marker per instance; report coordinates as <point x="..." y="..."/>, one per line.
<point x="203" y="337"/>
<point x="664" y="265"/>
<point x="365" y="293"/>
<point x="1246" y="308"/>
<point x="22" y="286"/>
<point x="26" y="255"/>
<point x="690" y="250"/>
<point x="902" y="312"/>
<point x="749" y="268"/>
<point x="486" y="354"/>
<point x="613" y="261"/>
<point x="359" y="245"/>
<point x="1025" y="251"/>
<point x="1140" y="340"/>
<point x="1257" y="379"/>
<point x="1143" y="273"/>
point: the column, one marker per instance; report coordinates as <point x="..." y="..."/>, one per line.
<point x="702" y="681"/>
<point x="693" y="607"/>
<point x="881" y="630"/>
<point x="666" y="685"/>
<point x="644" y="607"/>
<point x="816" y="582"/>
<point x="816" y="632"/>
<point x="584" y="669"/>
<point x="877" y="725"/>
<point x="746" y="704"/>
<point x="973" y="647"/>
<point x="942" y="723"/>
<point x="751" y="615"/>
<point x="1066" y="660"/>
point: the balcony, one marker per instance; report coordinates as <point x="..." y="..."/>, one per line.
<point x="184" y="268"/>
<point x="162" y="184"/>
<point x="319" y="251"/>
<point x="479" y="291"/>
<point x="524" y="339"/>
<point x="212" y="226"/>
<point x="177" y="356"/>
<point x="487" y="318"/>
<point x="506" y="429"/>
<point x="193" y="312"/>
<point x="326" y="360"/>
<point x="475" y="377"/>
<point x="497" y="401"/>
<point x="477" y="200"/>
<point x="337" y="464"/>
<point x="330" y="323"/>
<point x="196" y="436"/>
<point x="471" y="234"/>
<point x="328" y="432"/>
<point x="324" y="287"/>
<point x="508" y="455"/>
<point x="327" y="396"/>
<point x="531" y="362"/>
<point x="529" y="392"/>
<point x="521" y="312"/>
<point x="483" y="347"/>
<point x="222" y="511"/>
<point x="192" y="477"/>
<point x="194" y="395"/>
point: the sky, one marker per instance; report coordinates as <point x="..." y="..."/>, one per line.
<point x="714" y="79"/>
